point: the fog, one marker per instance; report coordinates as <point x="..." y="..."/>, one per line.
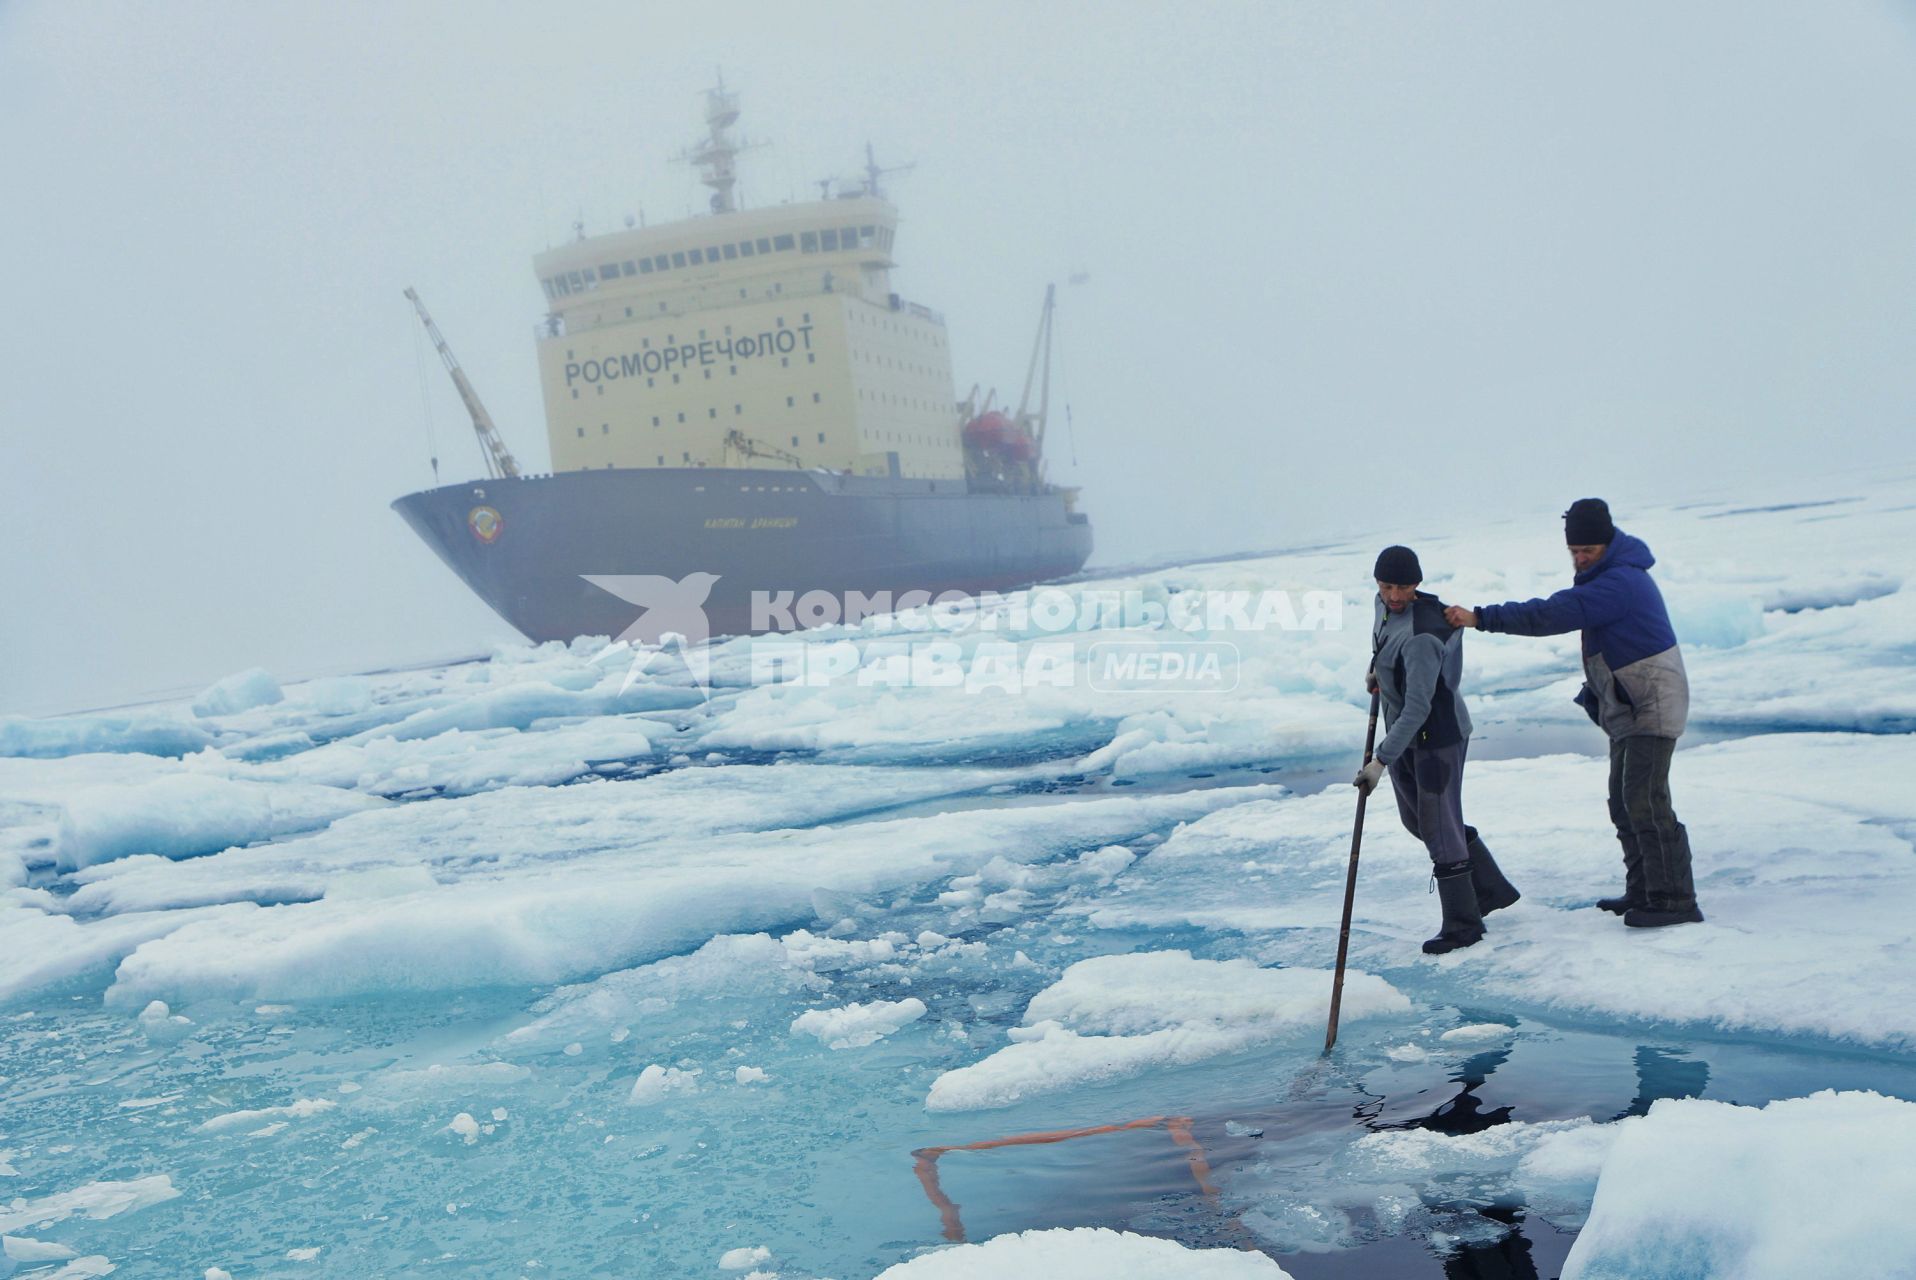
<point x="1346" y="268"/>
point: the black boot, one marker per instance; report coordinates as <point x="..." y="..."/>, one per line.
<point x="1619" y="906"/>
<point x="1494" y="893"/>
<point x="1645" y="917"/>
<point x="1463" y="922"/>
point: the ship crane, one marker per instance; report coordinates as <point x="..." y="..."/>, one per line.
<point x="1004" y="452"/>
<point x="1034" y="423"/>
<point x="747" y="447"/>
<point x="500" y="464"/>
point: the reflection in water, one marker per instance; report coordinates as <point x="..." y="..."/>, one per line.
<point x="1465" y="1113"/>
<point x="1665" y="1073"/>
<point x="1508" y="1258"/>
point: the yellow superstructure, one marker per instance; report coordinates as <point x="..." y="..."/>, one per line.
<point x="777" y="322"/>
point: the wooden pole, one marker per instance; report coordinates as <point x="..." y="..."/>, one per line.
<point x="1350" y="884"/>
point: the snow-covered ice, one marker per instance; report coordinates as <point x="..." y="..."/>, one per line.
<point x="1796" y="1188"/>
<point x="716" y="962"/>
<point x="1085" y="1253"/>
<point x="1124" y="1014"/>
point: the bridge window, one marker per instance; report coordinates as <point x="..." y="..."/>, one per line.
<point x="609" y="271"/>
<point x="731" y="251"/>
<point x="629" y="267"/>
<point x="696" y="255"/>
<point x="659" y="263"/>
<point x="744" y="247"/>
<point x="765" y="245"/>
<point x="808" y="241"/>
<point x="645" y="266"/>
<point x="712" y="253"/>
<point x="828" y="239"/>
<point x="848" y="237"/>
<point x="678" y="259"/>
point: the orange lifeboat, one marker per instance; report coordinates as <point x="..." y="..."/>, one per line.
<point x="997" y="434"/>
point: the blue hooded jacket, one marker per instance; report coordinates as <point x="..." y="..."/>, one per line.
<point x="1616" y="605"/>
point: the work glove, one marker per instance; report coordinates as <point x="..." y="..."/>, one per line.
<point x="1370" y="682"/>
<point x="1366" y="779"/>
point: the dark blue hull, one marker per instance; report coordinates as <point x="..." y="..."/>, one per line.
<point x="527" y="546"/>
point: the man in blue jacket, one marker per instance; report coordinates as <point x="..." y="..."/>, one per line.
<point x="1634" y="688"/>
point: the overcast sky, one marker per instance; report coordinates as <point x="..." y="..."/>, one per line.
<point x="1352" y="267"/>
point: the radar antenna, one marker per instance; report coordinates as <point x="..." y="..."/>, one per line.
<point x="873" y="172"/>
<point x="500" y="463"/>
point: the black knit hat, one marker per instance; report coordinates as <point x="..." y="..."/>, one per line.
<point x="1587" y="524"/>
<point x="1398" y="566"/>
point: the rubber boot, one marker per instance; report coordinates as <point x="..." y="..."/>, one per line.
<point x="1463" y="923"/>
<point x="1494" y="892"/>
<point x="1658" y="918"/>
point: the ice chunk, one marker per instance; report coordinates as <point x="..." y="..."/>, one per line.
<point x="465" y="1126"/>
<point x="191" y="814"/>
<point x="1804" y="1186"/>
<point x="150" y="733"/>
<point x="1085" y="1253"/>
<point x="448" y="1079"/>
<point x="239" y="692"/>
<point x="741" y="1258"/>
<point x="337" y="696"/>
<point x="750" y="1075"/>
<point x="297" y="1110"/>
<point x="95" y="1200"/>
<point x="656" y="1083"/>
<point x="1114" y="1016"/>
<point x="856" y="1025"/>
<point x="529" y="921"/>
<point x="22" y="1249"/>
<point x="42" y="949"/>
<point x="517" y="705"/>
<point x="161" y="1025"/>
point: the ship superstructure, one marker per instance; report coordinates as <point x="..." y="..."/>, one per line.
<point x="682" y="363"/>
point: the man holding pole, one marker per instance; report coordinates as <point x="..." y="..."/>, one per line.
<point x="1635" y="688"/>
<point x="1417" y="666"/>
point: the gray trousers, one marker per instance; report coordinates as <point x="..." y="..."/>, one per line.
<point x="1656" y="847"/>
<point x="1429" y="782"/>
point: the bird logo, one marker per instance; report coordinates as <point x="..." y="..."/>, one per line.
<point x="672" y="618"/>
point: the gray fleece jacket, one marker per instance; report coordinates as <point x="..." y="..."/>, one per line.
<point x="1419" y="666"/>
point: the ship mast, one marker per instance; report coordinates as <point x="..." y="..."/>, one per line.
<point x="500" y="464"/>
<point x="716" y="154"/>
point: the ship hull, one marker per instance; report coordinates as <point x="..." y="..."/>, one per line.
<point x="530" y="546"/>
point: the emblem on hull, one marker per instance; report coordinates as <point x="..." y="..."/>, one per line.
<point x="486" y="524"/>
